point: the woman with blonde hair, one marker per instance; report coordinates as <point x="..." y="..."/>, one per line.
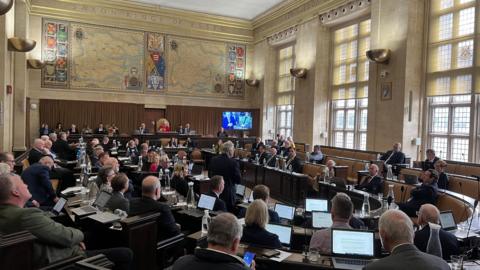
<point x="254" y="232"/>
<point x="179" y="182"/>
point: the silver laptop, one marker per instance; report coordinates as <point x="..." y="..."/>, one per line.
<point x="447" y="221"/>
<point x="206" y="202"/>
<point x="285" y="211"/>
<point x="315" y="205"/>
<point x="240" y="190"/>
<point x="352" y="249"/>
<point x="321" y="219"/>
<point x="99" y="203"/>
<point x="283" y="232"/>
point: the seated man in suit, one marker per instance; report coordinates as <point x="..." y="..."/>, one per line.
<point x="429" y="163"/>
<point x="396" y="233"/>
<point x="151" y="192"/>
<point x="262" y="192"/>
<point x="119" y="186"/>
<point x="426" y="193"/>
<point x="284" y="150"/>
<point x="100" y="130"/>
<point x="440" y="166"/>
<point x="37" y="151"/>
<point x="272" y="157"/>
<point x="37" y="177"/>
<point x="394" y="156"/>
<point x="262" y="155"/>
<point x="429" y="213"/>
<point x="7" y="158"/>
<point x="342" y="210"/>
<point x="62" y="148"/>
<point x="316" y="156"/>
<point x="224" y="234"/>
<point x="186" y="129"/>
<point x="216" y="188"/>
<point x="256" y="145"/>
<point x="106" y="144"/>
<point x="54" y="241"/>
<point x="142" y="129"/>
<point x="371" y="183"/>
<point x="294" y="161"/>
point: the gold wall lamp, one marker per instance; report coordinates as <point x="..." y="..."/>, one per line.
<point x="5" y="6"/>
<point x="298" y="72"/>
<point x="380" y="56"/>
<point x="35" y="64"/>
<point x="21" y="44"/>
<point x="252" y="82"/>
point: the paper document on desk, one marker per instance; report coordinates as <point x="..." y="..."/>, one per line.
<point x="283" y="255"/>
<point x="72" y="190"/>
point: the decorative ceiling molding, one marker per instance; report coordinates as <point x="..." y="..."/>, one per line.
<point x="345" y="12"/>
<point x="283" y="37"/>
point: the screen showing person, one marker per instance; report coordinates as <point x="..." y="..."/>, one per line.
<point x="285" y="211"/>
<point x="206" y="202"/>
<point x="316" y="205"/>
<point x="237" y="120"/>
<point x="321" y="219"/>
<point x="352" y="242"/>
<point x="284" y="233"/>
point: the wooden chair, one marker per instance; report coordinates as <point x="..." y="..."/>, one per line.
<point x="16" y="250"/>
<point x="181" y="154"/>
<point x="55" y="183"/>
<point x="169" y="250"/>
<point x="196" y="157"/>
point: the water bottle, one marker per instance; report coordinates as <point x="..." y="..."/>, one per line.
<point x="92" y="191"/>
<point x="205" y="222"/>
<point x="167" y="179"/>
<point x="140" y="164"/>
<point x="366" y="206"/>
<point x="326" y="174"/>
<point x="277" y="163"/>
<point x="89" y="167"/>
<point x="391" y="198"/>
<point x="191" y="197"/>
<point x="433" y="246"/>
<point x="237" y="145"/>
<point x="256" y="159"/>
<point x="213" y="147"/>
<point x="160" y="175"/>
<point x="389" y="172"/>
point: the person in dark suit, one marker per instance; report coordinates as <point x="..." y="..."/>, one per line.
<point x="62" y="148"/>
<point x="178" y="181"/>
<point x="316" y="156"/>
<point x="263" y="156"/>
<point x="151" y="193"/>
<point x="73" y="129"/>
<point x="256" y="145"/>
<point x="429" y="213"/>
<point x="371" y="183"/>
<point x="284" y="149"/>
<point x="440" y="166"/>
<point x="396" y="232"/>
<point x="426" y="193"/>
<point x="186" y="129"/>
<point x="100" y="130"/>
<point x="262" y="192"/>
<point x="37" y="177"/>
<point x="272" y="157"/>
<point x="254" y="233"/>
<point x="119" y="186"/>
<point x="294" y="161"/>
<point x="226" y="166"/>
<point x="217" y="185"/>
<point x="106" y="144"/>
<point x="142" y="129"/>
<point x="429" y="163"/>
<point x="44" y="130"/>
<point x="394" y="156"/>
<point x="229" y="120"/>
<point x="222" y="133"/>
<point x="37" y="151"/>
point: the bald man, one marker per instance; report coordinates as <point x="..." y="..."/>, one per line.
<point x="113" y="162"/>
<point x="396" y="234"/>
<point x="371" y="183"/>
<point x="148" y="203"/>
<point x="37" y="151"/>
<point x="37" y="177"/>
<point x="429" y="213"/>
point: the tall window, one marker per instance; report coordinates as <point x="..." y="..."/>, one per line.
<point x="350" y="86"/>
<point x="452" y="72"/>
<point x="285" y="90"/>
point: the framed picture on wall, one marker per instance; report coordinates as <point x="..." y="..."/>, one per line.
<point x="386" y="91"/>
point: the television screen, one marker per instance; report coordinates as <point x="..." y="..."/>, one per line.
<point x="237" y="120"/>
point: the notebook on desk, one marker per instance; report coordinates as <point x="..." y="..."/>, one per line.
<point x="352" y="249"/>
<point x="99" y="203"/>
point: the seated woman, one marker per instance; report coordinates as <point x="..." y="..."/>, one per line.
<point x="440" y="166"/>
<point x="155" y="165"/>
<point x="164" y="161"/>
<point x="119" y="186"/>
<point x="132" y="150"/>
<point x="178" y="181"/>
<point x="254" y="232"/>
<point x="104" y="179"/>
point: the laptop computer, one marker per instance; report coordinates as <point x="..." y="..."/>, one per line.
<point x="285" y="211"/>
<point x="410" y="179"/>
<point x="57" y="208"/>
<point x="197" y="169"/>
<point x="352" y="249"/>
<point x="321" y="219"/>
<point x="240" y="190"/>
<point x="447" y="221"/>
<point x="315" y="205"/>
<point x="99" y="203"/>
<point x="284" y="232"/>
<point x="206" y="202"/>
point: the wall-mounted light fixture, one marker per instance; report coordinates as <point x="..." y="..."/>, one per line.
<point x="298" y="72"/>
<point x="380" y="56"/>
<point x="35" y="64"/>
<point x="21" y="44"/>
<point x="5" y="6"/>
<point x="252" y="82"/>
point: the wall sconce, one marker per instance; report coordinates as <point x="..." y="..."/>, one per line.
<point x="5" y="6"/>
<point x="252" y="82"/>
<point x="173" y="45"/>
<point x="380" y="56"/>
<point x="298" y="72"/>
<point x="35" y="64"/>
<point x="21" y="44"/>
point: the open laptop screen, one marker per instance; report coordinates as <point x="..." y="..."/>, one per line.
<point x="206" y="202"/>
<point x="321" y="219"/>
<point x="447" y="221"/>
<point x="353" y="243"/>
<point x="285" y="211"/>
<point x="284" y="232"/>
<point x="240" y="190"/>
<point x="57" y="208"/>
<point x="102" y="199"/>
<point x="316" y="205"/>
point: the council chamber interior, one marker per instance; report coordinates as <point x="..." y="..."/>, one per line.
<point x="272" y="134"/>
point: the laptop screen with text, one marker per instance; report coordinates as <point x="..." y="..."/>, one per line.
<point x="206" y="202"/>
<point x="240" y="190"/>
<point x="353" y="243"/>
<point x="285" y="211"/>
<point x="321" y="219"/>
<point x="316" y="205"/>
<point x="447" y="221"/>
<point x="284" y="233"/>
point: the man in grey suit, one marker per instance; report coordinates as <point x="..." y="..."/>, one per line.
<point x="119" y="186"/>
<point x="396" y="234"/>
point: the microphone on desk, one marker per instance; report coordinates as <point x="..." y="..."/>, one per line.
<point x="471" y="220"/>
<point x="464" y="203"/>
